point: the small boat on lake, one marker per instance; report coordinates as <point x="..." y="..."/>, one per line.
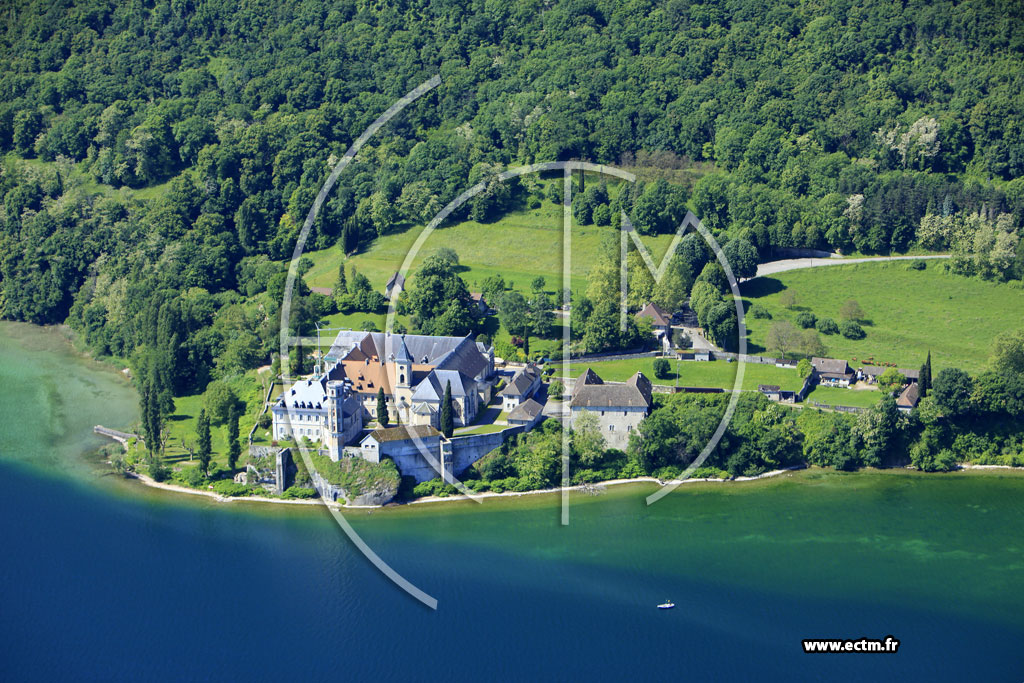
<point x="668" y="604"/>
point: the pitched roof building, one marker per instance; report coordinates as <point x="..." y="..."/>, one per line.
<point x="528" y="413"/>
<point x="522" y="386"/>
<point x="909" y="397"/>
<point x="660" y="319"/>
<point x="412" y="370"/>
<point x="832" y="371"/>
<point x="394" y="285"/>
<point x="619" y="408"/>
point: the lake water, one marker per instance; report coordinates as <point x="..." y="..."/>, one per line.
<point x="105" y="579"/>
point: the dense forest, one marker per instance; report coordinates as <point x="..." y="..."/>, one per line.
<point x="856" y="126"/>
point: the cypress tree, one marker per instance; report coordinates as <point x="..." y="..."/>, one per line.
<point x="205" y="449"/>
<point x="154" y="426"/>
<point x="447" y="421"/>
<point x="300" y="368"/>
<point x="382" y="408"/>
<point x="144" y="411"/>
<point x="234" y="448"/>
<point x="341" y="284"/>
<point x="925" y="380"/>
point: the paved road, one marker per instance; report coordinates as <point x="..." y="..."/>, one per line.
<point x="773" y="267"/>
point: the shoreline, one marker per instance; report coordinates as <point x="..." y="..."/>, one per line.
<point x="596" y="487"/>
<point x="146" y="480"/>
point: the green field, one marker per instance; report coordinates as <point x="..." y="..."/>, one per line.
<point x="181" y="425"/>
<point x="692" y="373"/>
<point x="519" y="247"/>
<point x="911" y="312"/>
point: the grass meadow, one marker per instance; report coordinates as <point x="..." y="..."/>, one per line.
<point x="691" y="373"/>
<point x="910" y="312"/>
<point x="519" y="247"/>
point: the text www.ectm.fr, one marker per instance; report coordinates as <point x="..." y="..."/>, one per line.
<point x="889" y="644"/>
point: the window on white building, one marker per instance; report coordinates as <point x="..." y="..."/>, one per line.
<point x="611" y="428"/>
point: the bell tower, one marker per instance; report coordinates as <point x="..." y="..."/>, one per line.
<point x="403" y="365"/>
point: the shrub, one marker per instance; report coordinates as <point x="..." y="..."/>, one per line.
<point x="852" y="330"/>
<point x="266" y="419"/>
<point x="432" y="487"/>
<point x="827" y="326"/>
<point x="158" y="470"/>
<point x="226" y="487"/>
<point x="806" y="319"/>
<point x="556" y="389"/>
<point x="631" y="470"/>
<point x="756" y="311"/>
<point x="298" y="492"/>
<point x="661" y="368"/>
<point x="191" y="476"/>
<point x="667" y="473"/>
<point x="709" y="473"/>
<point x="521" y="485"/>
<point x="918" y="264"/>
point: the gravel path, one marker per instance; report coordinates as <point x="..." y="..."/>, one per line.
<point x="773" y="267"/>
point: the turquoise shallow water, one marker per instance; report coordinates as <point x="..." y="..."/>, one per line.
<point x="103" y="579"/>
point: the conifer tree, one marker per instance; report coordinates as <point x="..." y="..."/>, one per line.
<point x="205" y="448"/>
<point x="300" y="364"/>
<point x="382" y="408"/>
<point x="447" y="421"/>
<point x="925" y="380"/>
<point x="234" y="447"/>
<point x="341" y="284"/>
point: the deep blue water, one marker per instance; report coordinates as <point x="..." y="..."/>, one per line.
<point x="102" y="579"/>
<point x="100" y="586"/>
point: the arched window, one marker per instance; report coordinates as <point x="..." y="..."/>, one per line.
<point x="401" y="378"/>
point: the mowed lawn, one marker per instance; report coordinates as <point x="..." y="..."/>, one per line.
<point x="181" y="425"/>
<point x="718" y="374"/>
<point x="519" y="247"/>
<point x="911" y="312"/>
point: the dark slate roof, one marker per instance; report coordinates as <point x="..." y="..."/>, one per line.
<point x="587" y="378"/>
<point x="910" y="396"/>
<point x="432" y="386"/>
<point x="424" y="350"/>
<point x="403" y="433"/>
<point x="466" y="358"/>
<point x="635" y="393"/>
<point x="398" y="279"/>
<point x="522" y="381"/>
<point x="344" y="343"/>
<point x="831" y="366"/>
<point x="640" y="382"/>
<point x="525" y="411"/>
<point x="656" y="313"/>
<point x="402" y="351"/>
<point x="769" y="388"/>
